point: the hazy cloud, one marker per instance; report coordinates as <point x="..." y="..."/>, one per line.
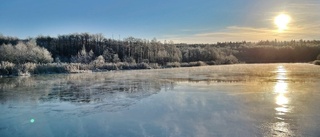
<point x="236" y="33"/>
<point x="305" y="24"/>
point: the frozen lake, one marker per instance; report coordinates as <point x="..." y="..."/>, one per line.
<point x="232" y="100"/>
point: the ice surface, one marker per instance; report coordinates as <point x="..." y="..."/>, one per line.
<point x="231" y="100"/>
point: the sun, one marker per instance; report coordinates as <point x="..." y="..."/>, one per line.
<point x="282" y="21"/>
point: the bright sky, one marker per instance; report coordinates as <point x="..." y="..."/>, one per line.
<point x="188" y="21"/>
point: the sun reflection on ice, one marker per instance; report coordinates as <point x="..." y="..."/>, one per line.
<point x="281" y="127"/>
<point x="281" y="69"/>
<point x="281" y="87"/>
<point x="281" y="100"/>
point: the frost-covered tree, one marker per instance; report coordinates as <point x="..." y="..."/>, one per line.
<point x="83" y="56"/>
<point x="116" y="58"/>
<point x="25" y="52"/>
<point x="99" y="61"/>
<point x="107" y="56"/>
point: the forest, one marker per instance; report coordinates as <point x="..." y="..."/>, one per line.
<point x="82" y="52"/>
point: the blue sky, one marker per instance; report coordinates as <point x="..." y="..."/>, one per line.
<point x="189" y="21"/>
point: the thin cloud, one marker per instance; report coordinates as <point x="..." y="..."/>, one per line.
<point x="236" y="33"/>
<point x="231" y="33"/>
<point x="305" y="24"/>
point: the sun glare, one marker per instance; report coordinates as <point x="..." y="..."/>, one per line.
<point x="282" y="22"/>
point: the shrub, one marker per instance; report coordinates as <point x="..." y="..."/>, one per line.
<point x="7" y="68"/>
<point x="316" y="62"/>
<point x="184" y="64"/>
<point x="129" y="60"/>
<point x="198" y="63"/>
<point x="154" y="65"/>
<point x="126" y="65"/>
<point x="230" y="60"/>
<point x="76" y="67"/>
<point x="192" y="64"/>
<point x="115" y="58"/>
<point x="211" y="63"/>
<point x="173" y="64"/>
<point x="98" y="62"/>
<point x="201" y="63"/>
<point x="143" y="66"/>
<point x="108" y="66"/>
<point x="26" y="67"/>
<point x="50" y="68"/>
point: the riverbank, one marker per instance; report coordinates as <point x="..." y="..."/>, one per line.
<point x="8" y="69"/>
<point x="27" y="69"/>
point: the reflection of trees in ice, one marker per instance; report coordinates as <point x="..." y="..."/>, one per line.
<point x="23" y="89"/>
<point x="99" y="91"/>
<point x="109" y="91"/>
<point x="105" y="95"/>
<point x="100" y="87"/>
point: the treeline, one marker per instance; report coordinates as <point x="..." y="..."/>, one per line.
<point x="278" y="52"/>
<point x="84" y="47"/>
<point x="69" y="48"/>
<point x="265" y="51"/>
<point x="96" y="50"/>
